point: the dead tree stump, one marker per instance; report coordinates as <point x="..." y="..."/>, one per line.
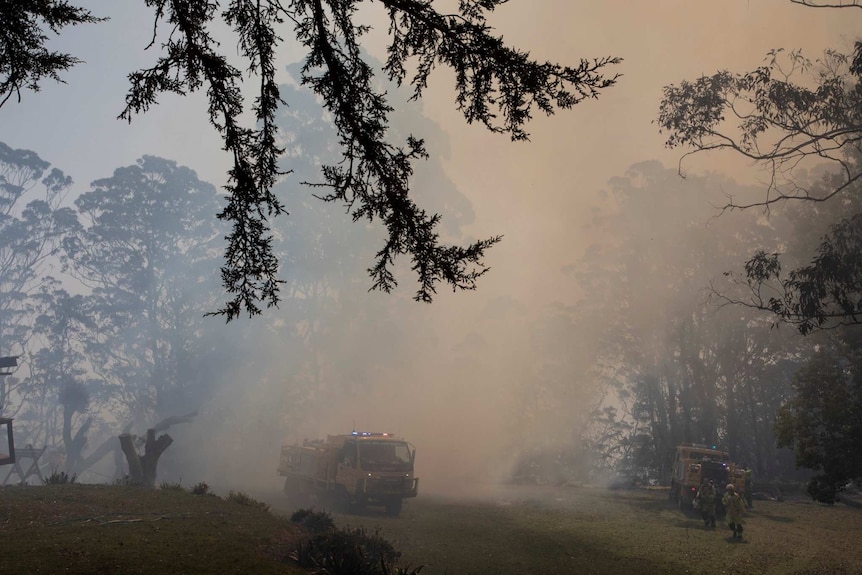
<point x="142" y="468"/>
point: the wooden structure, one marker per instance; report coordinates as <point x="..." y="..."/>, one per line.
<point x="8" y="456"/>
<point x="7" y="362"/>
<point x="31" y="453"/>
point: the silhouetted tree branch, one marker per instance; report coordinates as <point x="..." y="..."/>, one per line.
<point x="496" y="85"/>
<point x="775" y="123"/>
<point x="789" y="114"/>
<point x="24" y="58"/>
<point x="825" y="294"/>
<point x="814" y="4"/>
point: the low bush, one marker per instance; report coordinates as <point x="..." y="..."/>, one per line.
<point x="127" y="481"/>
<point x="201" y="488"/>
<point x="168" y="486"/>
<point x="60" y="478"/>
<point x="243" y="499"/>
<point x="313" y="521"/>
<point x="348" y="551"/>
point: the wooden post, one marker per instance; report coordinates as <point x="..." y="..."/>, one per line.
<point x="7" y="458"/>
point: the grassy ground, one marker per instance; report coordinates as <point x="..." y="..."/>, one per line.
<point x="89" y="529"/>
<point x="596" y="531"/>
<point x="100" y="529"/>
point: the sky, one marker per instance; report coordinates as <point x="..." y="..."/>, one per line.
<point x="539" y="194"/>
<point x="536" y="194"/>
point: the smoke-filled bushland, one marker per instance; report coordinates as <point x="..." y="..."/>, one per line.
<point x="678" y="366"/>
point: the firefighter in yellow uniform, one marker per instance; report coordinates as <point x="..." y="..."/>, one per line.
<point x="749" y="486"/>
<point x="735" y="507"/>
<point x="707" y="498"/>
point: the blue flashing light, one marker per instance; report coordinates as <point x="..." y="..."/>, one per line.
<point x="369" y="434"/>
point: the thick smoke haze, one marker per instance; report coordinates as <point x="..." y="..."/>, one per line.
<point x="476" y="378"/>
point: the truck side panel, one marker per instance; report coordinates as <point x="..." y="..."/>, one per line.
<point x="298" y="461"/>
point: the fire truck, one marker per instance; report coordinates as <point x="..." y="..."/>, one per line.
<point x="695" y="462"/>
<point x="350" y="471"/>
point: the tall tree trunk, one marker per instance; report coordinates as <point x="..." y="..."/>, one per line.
<point x="74" y="445"/>
<point x="142" y="468"/>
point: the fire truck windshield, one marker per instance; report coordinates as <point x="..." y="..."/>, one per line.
<point x="384" y="456"/>
<point x="709" y="456"/>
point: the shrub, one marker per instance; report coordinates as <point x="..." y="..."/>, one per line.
<point x="201" y="488"/>
<point x="387" y="570"/>
<point x="60" y="478"/>
<point x="243" y="499"/>
<point x="167" y="486"/>
<point x="314" y="521"/>
<point x="348" y="551"/>
<point x="127" y="481"/>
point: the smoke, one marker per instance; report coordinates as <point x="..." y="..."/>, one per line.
<point x="475" y="380"/>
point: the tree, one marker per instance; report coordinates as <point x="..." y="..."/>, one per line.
<point x="146" y="250"/>
<point x="33" y="223"/>
<point x="787" y="116"/>
<point x="678" y="367"/>
<point x="24" y="58"/>
<point x="330" y="342"/>
<point x="497" y="86"/>
<point x="143" y="453"/>
<point x="824" y="294"/>
<point x="823" y="422"/>
<point x="60" y="371"/>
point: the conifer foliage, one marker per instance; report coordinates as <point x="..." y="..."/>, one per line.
<point x="497" y="85"/>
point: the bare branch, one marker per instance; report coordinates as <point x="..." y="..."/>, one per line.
<point x="813" y="4"/>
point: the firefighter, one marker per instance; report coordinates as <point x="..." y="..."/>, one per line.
<point x="749" y="486"/>
<point x="735" y="507"/>
<point x="706" y="497"/>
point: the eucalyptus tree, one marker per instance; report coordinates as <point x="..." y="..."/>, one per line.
<point x="496" y="85"/>
<point x="66" y="407"/>
<point x="678" y="362"/>
<point x="821" y="422"/>
<point x="33" y="224"/>
<point x="145" y="251"/>
<point x="559" y="391"/>
<point x="789" y="116"/>
<point x="820" y="417"/>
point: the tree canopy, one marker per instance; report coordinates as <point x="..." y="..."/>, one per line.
<point x="679" y="368"/>
<point x="822" y="421"/>
<point x="25" y="59"/>
<point x="497" y="85"/>
<point x="789" y="116"/>
<point x="799" y="120"/>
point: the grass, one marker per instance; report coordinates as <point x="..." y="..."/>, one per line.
<point x="595" y="531"/>
<point x="90" y="529"/>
